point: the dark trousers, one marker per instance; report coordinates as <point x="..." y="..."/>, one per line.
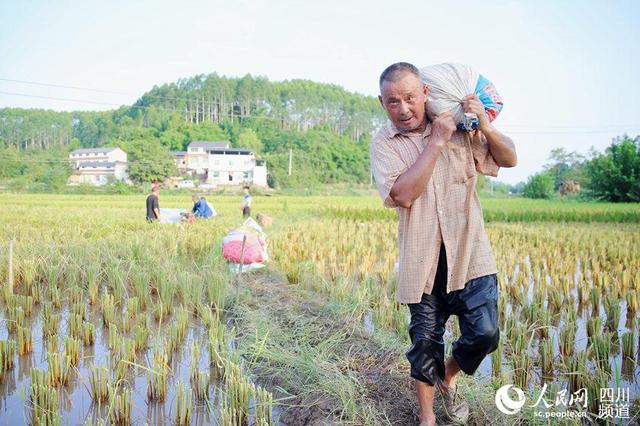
<point x="476" y="307"/>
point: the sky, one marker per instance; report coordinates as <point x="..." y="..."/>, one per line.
<point x="567" y="70"/>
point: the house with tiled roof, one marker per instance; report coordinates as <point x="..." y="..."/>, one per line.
<point x="98" y="166"/>
<point x="215" y="162"/>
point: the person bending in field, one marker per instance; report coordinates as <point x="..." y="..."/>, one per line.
<point x="426" y="169"/>
<point x="201" y="208"/>
<point x="153" y="203"/>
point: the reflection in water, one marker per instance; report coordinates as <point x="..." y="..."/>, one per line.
<point x="156" y="413"/>
<point x="550" y="298"/>
<point x="64" y="398"/>
<point x="25" y="364"/>
<point x="96" y="412"/>
<point x="7" y="388"/>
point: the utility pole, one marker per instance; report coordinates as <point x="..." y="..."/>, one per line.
<point x="290" y="155"/>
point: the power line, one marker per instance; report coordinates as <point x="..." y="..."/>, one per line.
<point x="159" y="108"/>
<point x="570" y="127"/>
<point x="141" y="107"/>
<point x="58" y="99"/>
<point x="35" y="83"/>
<point x="567" y="132"/>
<point x="509" y="128"/>
<point x="170" y="98"/>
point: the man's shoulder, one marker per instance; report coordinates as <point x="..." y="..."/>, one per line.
<point x="382" y="140"/>
<point x="382" y="136"/>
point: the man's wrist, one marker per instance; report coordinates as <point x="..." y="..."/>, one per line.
<point x="436" y="141"/>
<point x="487" y="129"/>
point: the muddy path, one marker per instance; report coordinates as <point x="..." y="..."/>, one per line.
<point x="317" y="358"/>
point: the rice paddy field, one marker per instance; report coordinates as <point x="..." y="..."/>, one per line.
<point x="107" y="319"/>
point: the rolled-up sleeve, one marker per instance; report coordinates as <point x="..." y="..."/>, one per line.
<point x="386" y="166"/>
<point x="485" y="163"/>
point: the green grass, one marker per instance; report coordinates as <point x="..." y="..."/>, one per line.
<point x="307" y="344"/>
<point x="506" y="210"/>
<point x="38" y="208"/>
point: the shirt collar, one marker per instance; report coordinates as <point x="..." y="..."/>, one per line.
<point x="393" y="130"/>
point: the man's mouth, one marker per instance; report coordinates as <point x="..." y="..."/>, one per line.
<point x="404" y="120"/>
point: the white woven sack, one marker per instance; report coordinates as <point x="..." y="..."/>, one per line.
<point x="448" y="83"/>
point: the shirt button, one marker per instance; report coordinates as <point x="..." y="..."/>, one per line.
<point x="440" y="211"/>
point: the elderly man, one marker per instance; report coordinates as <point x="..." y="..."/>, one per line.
<point x="426" y="169"/>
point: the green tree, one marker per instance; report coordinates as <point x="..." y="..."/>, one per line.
<point x="248" y="139"/>
<point x="327" y="127"/>
<point x="149" y="160"/>
<point x="615" y="174"/>
<point x="10" y="164"/>
<point x="564" y="166"/>
<point x="540" y="185"/>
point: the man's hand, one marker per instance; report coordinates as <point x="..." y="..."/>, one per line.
<point x="442" y="129"/>
<point x="472" y="104"/>
<point x="501" y="146"/>
<point x="410" y="184"/>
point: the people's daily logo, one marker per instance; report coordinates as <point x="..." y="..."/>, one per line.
<point x="504" y="402"/>
<point x="613" y="402"/>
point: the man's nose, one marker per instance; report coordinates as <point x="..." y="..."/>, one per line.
<point x="404" y="108"/>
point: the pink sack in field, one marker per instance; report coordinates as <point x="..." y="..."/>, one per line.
<point x="232" y="251"/>
<point x="255" y="248"/>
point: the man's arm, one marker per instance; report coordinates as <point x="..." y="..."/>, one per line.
<point x="156" y="208"/>
<point x="410" y="184"/>
<point x="501" y="146"/>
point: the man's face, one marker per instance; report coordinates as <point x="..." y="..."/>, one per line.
<point x="404" y="101"/>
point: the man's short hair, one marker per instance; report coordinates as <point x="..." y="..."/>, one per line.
<point x="394" y="72"/>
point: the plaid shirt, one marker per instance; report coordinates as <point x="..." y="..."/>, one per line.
<point x="448" y="210"/>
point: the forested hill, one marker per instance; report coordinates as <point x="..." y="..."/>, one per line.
<point x="327" y="127"/>
<point x="297" y="104"/>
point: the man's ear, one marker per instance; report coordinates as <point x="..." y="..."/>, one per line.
<point x="425" y="90"/>
<point x="380" y="99"/>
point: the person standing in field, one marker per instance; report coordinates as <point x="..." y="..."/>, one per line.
<point x="426" y="170"/>
<point x="246" y="203"/>
<point x="153" y="203"/>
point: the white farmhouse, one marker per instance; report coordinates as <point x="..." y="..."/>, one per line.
<point x="215" y="162"/>
<point x="98" y="166"/>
